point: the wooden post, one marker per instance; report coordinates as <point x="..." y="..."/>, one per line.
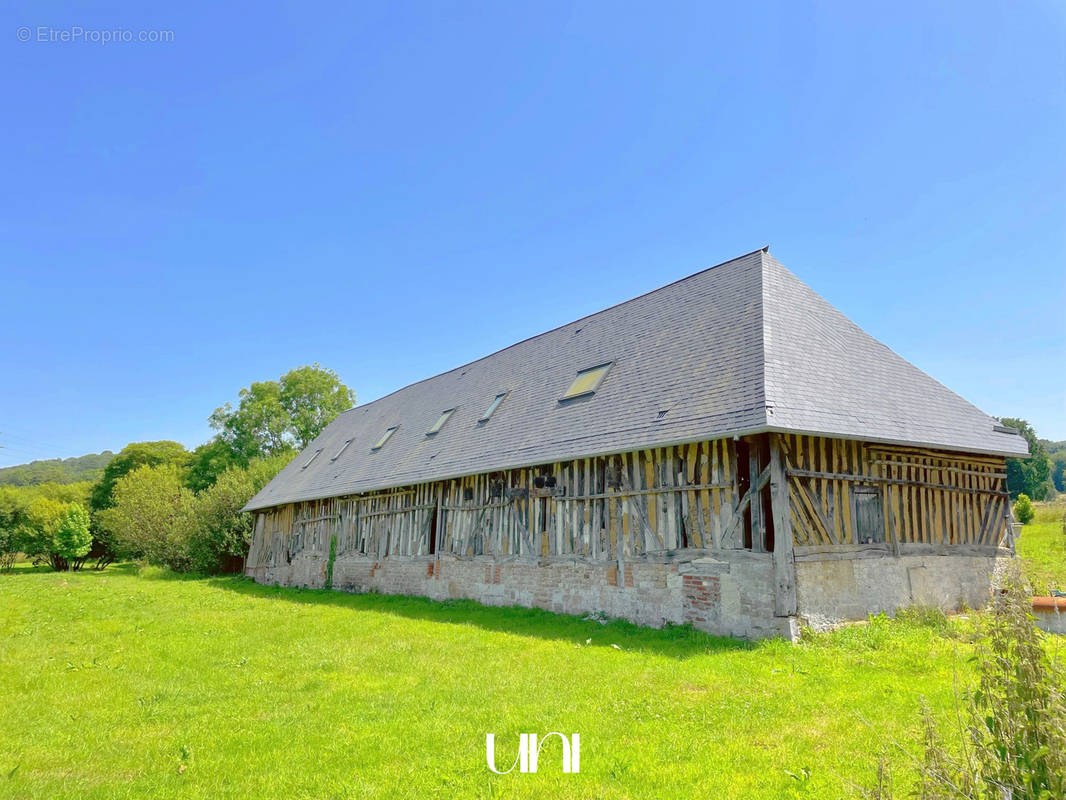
<point x="758" y="529"/>
<point x="784" y="558"/>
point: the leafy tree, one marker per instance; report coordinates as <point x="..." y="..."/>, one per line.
<point x="56" y="532"/>
<point x="313" y="397"/>
<point x="152" y="516"/>
<point x="224" y="532"/>
<point x="1030" y="475"/>
<point x="71" y="540"/>
<point x="132" y="456"/>
<point x="208" y="462"/>
<point x="1023" y="509"/>
<point x="273" y="417"/>
<point x="1057" y="453"/>
<point x="9" y="548"/>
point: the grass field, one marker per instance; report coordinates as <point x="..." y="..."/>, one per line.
<point x="127" y="684"/>
<point x="1042" y="548"/>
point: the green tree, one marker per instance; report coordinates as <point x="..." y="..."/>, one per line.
<point x="273" y="417"/>
<point x="71" y="540"/>
<point x="208" y="462"/>
<point x="152" y="516"/>
<point x="132" y="456"/>
<point x="27" y="513"/>
<point x="313" y="397"/>
<point x="1030" y="475"/>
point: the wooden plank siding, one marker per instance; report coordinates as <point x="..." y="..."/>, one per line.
<point x="925" y="496"/>
<point x="662" y="500"/>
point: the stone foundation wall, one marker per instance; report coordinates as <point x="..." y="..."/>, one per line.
<point x="729" y="594"/>
<point x="834" y="590"/>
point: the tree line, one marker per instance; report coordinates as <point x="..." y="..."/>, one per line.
<point x="56" y="470"/>
<point x="1040" y="477"/>
<point x="159" y="502"/>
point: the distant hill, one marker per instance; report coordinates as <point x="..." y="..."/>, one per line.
<point x="57" y="470"/>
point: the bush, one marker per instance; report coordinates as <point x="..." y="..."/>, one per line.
<point x="1023" y="509"/>
<point x="152" y="516"/>
<point x="223" y="532"/>
<point x="9" y="549"/>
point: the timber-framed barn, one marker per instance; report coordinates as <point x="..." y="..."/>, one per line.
<point x="728" y="451"/>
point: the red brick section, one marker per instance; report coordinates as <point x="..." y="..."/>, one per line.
<point x="429" y="568"/>
<point x="612" y="576"/>
<point x="496" y="579"/>
<point x="628" y="575"/>
<point x="701" y="596"/>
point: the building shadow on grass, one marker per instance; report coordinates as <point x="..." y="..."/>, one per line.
<point x="674" y="641"/>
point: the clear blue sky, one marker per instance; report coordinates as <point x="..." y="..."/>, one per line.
<point x="393" y="189"/>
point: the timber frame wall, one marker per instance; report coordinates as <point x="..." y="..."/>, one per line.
<point x="790" y="497"/>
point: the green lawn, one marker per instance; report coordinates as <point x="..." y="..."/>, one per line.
<point x="1042" y="548"/>
<point x="119" y="684"/>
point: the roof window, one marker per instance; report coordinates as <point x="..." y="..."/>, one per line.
<point x="343" y="448"/>
<point x="492" y="407"/>
<point x="314" y="455"/>
<point x="587" y="381"/>
<point x="444" y="415"/>
<point x="385" y="437"/>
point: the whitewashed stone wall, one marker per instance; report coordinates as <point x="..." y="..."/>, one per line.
<point x="830" y="591"/>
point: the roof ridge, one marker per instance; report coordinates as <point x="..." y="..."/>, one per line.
<point x="765" y="249"/>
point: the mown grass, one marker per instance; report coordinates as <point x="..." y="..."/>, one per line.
<point x="1042" y="548"/>
<point x="127" y="684"/>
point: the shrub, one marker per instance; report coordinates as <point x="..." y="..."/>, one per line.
<point x="223" y="532"/>
<point x="152" y="516"/>
<point x="9" y="549"/>
<point x="1010" y="740"/>
<point x="1023" y="509"/>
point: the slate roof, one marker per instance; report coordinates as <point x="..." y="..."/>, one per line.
<point x="742" y="347"/>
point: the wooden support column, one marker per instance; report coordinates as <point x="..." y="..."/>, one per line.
<point x="758" y="528"/>
<point x="784" y="557"/>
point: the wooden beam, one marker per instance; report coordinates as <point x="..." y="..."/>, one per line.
<point x="758" y="528"/>
<point x="784" y="555"/>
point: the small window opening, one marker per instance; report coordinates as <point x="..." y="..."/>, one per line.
<point x="444" y="415"/>
<point x="343" y="448"/>
<point x="869" y="519"/>
<point x="385" y="437"/>
<point x="587" y="381"/>
<point x="492" y="407"/>
<point x="314" y="455"/>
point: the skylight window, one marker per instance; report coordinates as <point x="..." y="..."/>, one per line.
<point x="587" y="381"/>
<point x="343" y="448"/>
<point x="385" y="437"/>
<point x="440" y="422"/>
<point x="314" y="455"/>
<point x="492" y="407"/>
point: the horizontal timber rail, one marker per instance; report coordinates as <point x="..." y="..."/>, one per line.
<point x="839" y="476"/>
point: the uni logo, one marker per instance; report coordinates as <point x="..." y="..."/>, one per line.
<point x="529" y="751"/>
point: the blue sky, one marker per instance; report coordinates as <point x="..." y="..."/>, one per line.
<point x="392" y="189"/>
